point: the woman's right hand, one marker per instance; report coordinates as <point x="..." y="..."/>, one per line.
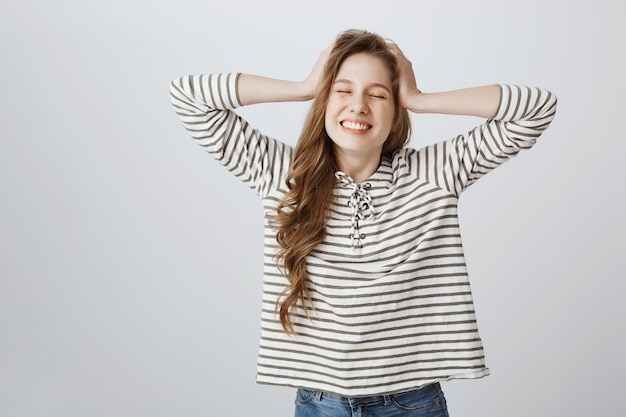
<point x="257" y="89"/>
<point x="312" y="81"/>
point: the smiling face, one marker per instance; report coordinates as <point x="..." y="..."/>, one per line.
<point x="360" y="109"/>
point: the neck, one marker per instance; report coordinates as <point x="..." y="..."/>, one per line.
<point x="359" y="168"/>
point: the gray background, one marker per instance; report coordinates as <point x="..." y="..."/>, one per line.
<point x="130" y="262"/>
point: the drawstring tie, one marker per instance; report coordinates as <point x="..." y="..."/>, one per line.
<point x="360" y="203"/>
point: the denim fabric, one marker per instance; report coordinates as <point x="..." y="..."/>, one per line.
<point x="428" y="401"/>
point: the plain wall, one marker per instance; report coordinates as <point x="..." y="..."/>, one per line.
<point x="130" y="261"/>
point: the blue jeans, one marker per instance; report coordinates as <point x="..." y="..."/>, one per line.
<point x="428" y="401"/>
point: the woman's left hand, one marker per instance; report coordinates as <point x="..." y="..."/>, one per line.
<point x="408" y="86"/>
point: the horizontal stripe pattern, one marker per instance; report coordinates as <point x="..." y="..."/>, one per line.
<point x="395" y="313"/>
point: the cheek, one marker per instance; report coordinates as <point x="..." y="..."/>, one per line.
<point x="332" y="105"/>
<point x="387" y="114"/>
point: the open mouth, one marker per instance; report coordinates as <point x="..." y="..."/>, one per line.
<point x="355" y="125"/>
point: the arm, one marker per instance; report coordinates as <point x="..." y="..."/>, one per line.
<point x="205" y="106"/>
<point x="517" y="117"/>
<point x="254" y="89"/>
<point x="475" y="101"/>
<point x="522" y="115"/>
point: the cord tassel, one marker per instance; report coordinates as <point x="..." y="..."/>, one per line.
<point x="360" y="203"/>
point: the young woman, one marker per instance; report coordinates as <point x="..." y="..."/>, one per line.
<point x="366" y="297"/>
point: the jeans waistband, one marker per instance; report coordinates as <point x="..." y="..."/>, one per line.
<point x="386" y="398"/>
<point x="353" y="400"/>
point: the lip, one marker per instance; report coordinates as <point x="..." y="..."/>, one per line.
<point x="355" y="125"/>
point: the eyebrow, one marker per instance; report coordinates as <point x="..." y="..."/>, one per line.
<point x="381" y="85"/>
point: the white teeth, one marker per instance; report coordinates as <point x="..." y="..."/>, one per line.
<point x="354" y="125"/>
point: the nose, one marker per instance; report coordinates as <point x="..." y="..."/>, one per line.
<point x="358" y="104"/>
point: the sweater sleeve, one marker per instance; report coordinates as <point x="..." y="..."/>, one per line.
<point x="522" y="116"/>
<point x="205" y="105"/>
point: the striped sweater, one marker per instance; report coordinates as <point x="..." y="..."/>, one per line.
<point x="393" y="306"/>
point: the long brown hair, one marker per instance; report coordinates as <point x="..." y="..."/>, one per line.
<point x="301" y="215"/>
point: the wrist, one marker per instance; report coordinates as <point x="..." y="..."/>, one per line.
<point x="414" y="102"/>
<point x="304" y="91"/>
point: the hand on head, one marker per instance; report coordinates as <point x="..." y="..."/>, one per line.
<point x="311" y="82"/>
<point x="408" y="85"/>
